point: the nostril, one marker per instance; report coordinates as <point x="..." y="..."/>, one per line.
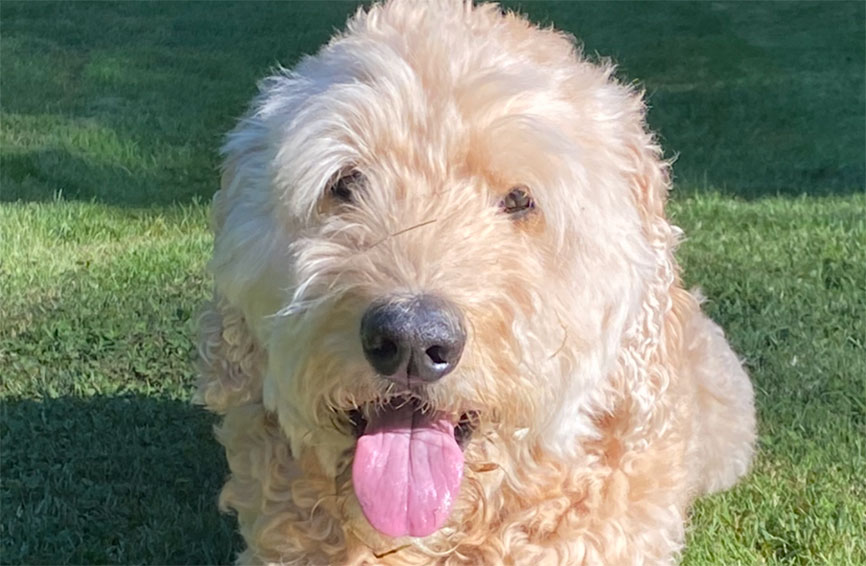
<point x="437" y="354"/>
<point x="387" y="349"/>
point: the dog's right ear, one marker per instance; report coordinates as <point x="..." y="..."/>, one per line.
<point x="231" y="363"/>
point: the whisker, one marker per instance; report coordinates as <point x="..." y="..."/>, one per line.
<point x="403" y="231"/>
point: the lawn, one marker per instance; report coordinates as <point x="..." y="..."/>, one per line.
<point x="110" y="117"/>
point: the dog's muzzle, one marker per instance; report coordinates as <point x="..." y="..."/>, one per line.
<point x="413" y="339"/>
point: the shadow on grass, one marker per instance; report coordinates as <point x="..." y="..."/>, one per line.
<point x="756" y="99"/>
<point x="43" y="174"/>
<point x="126" y="103"/>
<point x="120" y="480"/>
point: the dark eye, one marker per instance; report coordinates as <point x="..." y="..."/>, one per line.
<point x="346" y="185"/>
<point x="517" y="202"/>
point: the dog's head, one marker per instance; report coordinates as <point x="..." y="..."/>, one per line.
<point x="439" y="226"/>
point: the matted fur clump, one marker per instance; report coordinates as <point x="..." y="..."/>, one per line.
<point x="448" y="326"/>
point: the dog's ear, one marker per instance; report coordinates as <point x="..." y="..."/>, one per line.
<point x="231" y="363"/>
<point x="649" y="172"/>
<point x="644" y="372"/>
<point x="247" y="243"/>
<point x="251" y="237"/>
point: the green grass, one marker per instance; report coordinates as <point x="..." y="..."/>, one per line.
<point x="119" y="108"/>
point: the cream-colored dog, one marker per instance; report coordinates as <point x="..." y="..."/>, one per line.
<point x="448" y="324"/>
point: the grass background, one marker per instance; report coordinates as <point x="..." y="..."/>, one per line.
<point x="110" y="116"/>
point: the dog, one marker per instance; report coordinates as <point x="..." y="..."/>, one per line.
<point x="448" y="326"/>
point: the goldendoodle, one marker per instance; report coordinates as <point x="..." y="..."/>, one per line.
<point x="448" y="326"/>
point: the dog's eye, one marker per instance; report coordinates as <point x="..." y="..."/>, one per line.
<point x="346" y="185"/>
<point x="517" y="202"/>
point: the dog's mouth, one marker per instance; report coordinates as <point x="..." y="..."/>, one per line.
<point x="464" y="425"/>
<point x="408" y="464"/>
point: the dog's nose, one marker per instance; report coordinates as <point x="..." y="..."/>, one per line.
<point x="416" y="338"/>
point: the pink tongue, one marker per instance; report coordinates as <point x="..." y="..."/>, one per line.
<point x="407" y="471"/>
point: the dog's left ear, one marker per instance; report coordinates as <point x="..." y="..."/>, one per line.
<point x="643" y="375"/>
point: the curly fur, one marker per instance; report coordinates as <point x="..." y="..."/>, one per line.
<point x="607" y="401"/>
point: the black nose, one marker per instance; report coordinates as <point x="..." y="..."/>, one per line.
<point x="416" y="338"/>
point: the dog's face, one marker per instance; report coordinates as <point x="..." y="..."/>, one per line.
<point x="435" y="238"/>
